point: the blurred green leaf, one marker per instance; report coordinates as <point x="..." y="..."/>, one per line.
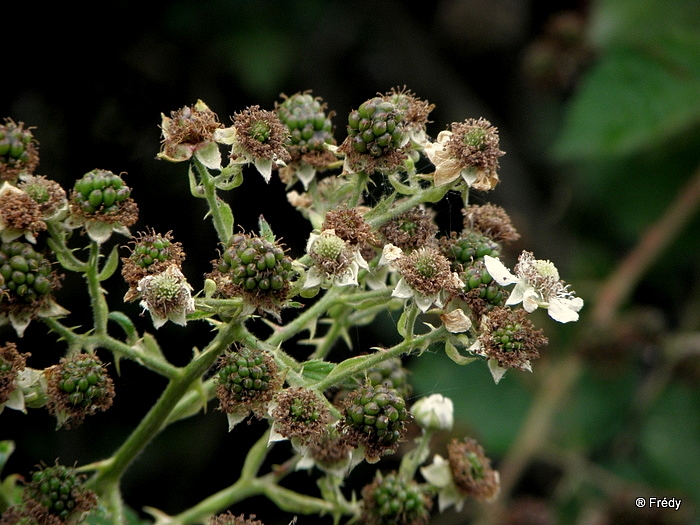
<point x="630" y="101"/>
<point x="494" y="412"/>
<point x="669" y="440"/>
<point x="643" y="89"/>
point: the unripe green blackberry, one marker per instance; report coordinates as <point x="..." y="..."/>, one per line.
<point x="59" y="491"/>
<point x="246" y="378"/>
<point x="25" y="275"/>
<point x="389" y="373"/>
<point x="309" y="125"/>
<point x="100" y="191"/>
<point x="389" y="500"/>
<point x="476" y="277"/>
<point x="257" y="266"/>
<point x="375" y="417"/>
<point x="471" y="246"/>
<point x="77" y="387"/>
<point x="392" y="374"/>
<point x="18" y="151"/>
<point x="375" y="127"/>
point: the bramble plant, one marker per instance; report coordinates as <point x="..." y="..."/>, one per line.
<point x="373" y="246"/>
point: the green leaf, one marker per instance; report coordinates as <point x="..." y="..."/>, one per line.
<point x="7" y="447"/>
<point x="632" y="100"/>
<point x="110" y="265"/>
<point x="226" y="218"/>
<point x="317" y="369"/>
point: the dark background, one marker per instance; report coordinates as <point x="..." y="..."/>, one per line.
<point x="94" y="83"/>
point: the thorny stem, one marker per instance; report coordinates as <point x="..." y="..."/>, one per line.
<point x="108" y="476"/>
<point x="223" y="230"/>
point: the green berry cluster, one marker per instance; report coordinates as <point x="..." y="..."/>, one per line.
<point x="151" y="249"/>
<point x="509" y="337"/>
<point x="377" y="413"/>
<point x="309" y="125"/>
<point x="257" y="265"/>
<point x="59" y="490"/>
<point x="392" y="374"/>
<point x="25" y="275"/>
<point x="16" y="144"/>
<point x="100" y="191"/>
<point x="390" y="500"/>
<point x="476" y="277"/>
<point x="84" y="382"/>
<point x="375" y="127"/>
<point x="472" y="246"/>
<point x="246" y="373"/>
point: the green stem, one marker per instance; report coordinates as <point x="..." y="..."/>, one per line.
<point x="224" y="230"/>
<point x="431" y="194"/>
<point x="245" y="487"/>
<point x="98" y="303"/>
<point x="108" y="477"/>
<point x="305" y="320"/>
<point x="414" y="459"/>
<point x="357" y="365"/>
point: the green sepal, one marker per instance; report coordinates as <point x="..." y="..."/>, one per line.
<point x="195" y="188"/>
<point x="110" y="265"/>
<point x="401" y="187"/>
<point x="230" y="177"/>
<point x="226" y="215"/>
<point x="265" y="230"/>
<point x="453" y="353"/>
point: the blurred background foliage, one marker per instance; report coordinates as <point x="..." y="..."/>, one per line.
<point x="598" y="105"/>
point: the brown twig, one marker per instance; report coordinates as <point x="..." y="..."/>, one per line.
<point x="620" y="284"/>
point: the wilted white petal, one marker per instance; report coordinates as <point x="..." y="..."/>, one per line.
<point x="209" y="155"/>
<point x="565" y="310"/>
<point x="497" y="372"/>
<point x="456" y="321"/>
<point x="402" y="290"/>
<point x="264" y="167"/>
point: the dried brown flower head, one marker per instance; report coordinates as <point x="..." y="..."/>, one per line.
<point x="491" y="220"/>
<point x="412" y="229"/>
<point x="470" y="150"/>
<point x="11" y="363"/>
<point x="187" y="130"/>
<point x="509" y="337"/>
<point x="471" y="470"/>
<point x="299" y="413"/>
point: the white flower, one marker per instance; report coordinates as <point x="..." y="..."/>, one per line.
<point x="439" y="475"/>
<point x="336" y="262"/>
<point x="434" y="412"/>
<point x="167" y="296"/>
<point x="537" y="285"/>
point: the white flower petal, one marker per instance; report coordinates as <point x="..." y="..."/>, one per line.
<point x="565" y="310"/>
<point x="498" y="271"/>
